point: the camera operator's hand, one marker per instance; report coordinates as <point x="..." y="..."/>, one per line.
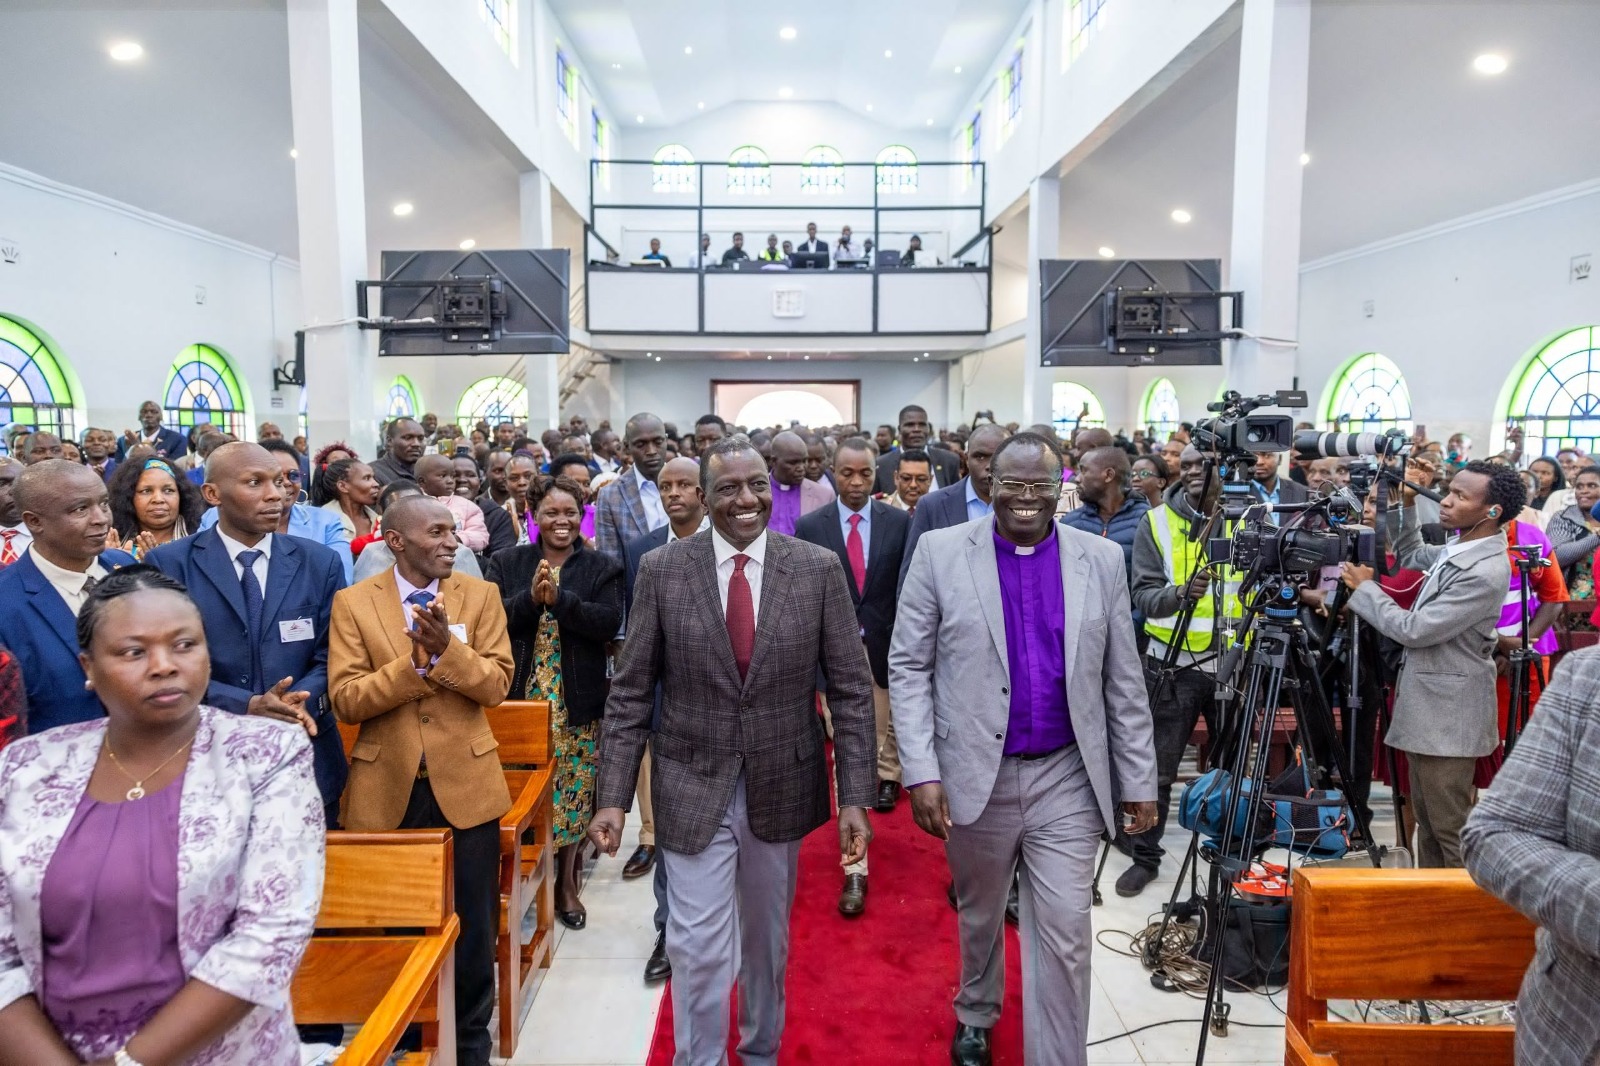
<point x="1419" y="471"/>
<point x="1354" y="575"/>
<point x="1316" y="599"/>
<point x="1197" y="586"/>
<point x="1505" y="645"/>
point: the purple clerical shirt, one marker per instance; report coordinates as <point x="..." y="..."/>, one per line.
<point x="785" y="508"/>
<point x="1035" y="611"/>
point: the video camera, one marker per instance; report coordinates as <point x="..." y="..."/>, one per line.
<point x="1310" y="444"/>
<point x="1237" y="433"/>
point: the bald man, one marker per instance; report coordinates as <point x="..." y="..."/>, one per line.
<point x="416" y="653"/>
<point x="14" y="535"/>
<point x="65" y="507"/>
<point x="792" y="494"/>
<point x="41" y="448"/>
<point x="265" y="599"/>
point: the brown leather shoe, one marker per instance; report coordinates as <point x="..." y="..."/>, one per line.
<point x="640" y="862"/>
<point x="853" y="898"/>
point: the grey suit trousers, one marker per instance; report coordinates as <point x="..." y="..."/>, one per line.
<point x="1041" y="820"/>
<point x="728" y="916"/>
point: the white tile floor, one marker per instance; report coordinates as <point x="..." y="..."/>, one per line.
<point x="594" y="1010"/>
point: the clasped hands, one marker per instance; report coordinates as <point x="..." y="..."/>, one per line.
<point x="543" y="590"/>
<point x="429" y="633"/>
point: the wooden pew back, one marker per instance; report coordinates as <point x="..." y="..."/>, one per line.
<point x="522" y="729"/>
<point x="1363" y="934"/>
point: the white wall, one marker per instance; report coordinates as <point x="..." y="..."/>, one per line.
<point x="1457" y="307"/>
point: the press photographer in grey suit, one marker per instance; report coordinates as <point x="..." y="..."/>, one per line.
<point x="1016" y="733"/>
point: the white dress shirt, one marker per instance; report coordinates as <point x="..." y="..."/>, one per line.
<point x="757" y="551"/>
<point x="406" y="589"/>
<point x="260" y="567"/>
<point x="655" y="515"/>
<point x="69" y="583"/>
<point x="705" y="523"/>
<point x="865" y="528"/>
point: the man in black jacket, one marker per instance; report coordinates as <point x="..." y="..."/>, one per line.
<point x="869" y="538"/>
<point x="915" y="433"/>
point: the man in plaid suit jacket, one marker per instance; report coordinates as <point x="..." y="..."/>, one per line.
<point x="631" y="505"/>
<point x="1534" y="841"/>
<point x="735" y="624"/>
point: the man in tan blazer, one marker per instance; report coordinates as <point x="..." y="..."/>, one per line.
<point x="415" y="654"/>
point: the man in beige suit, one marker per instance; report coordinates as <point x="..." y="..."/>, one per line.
<point x="415" y="653"/>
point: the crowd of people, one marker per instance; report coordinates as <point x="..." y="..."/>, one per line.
<point x="1014" y="631"/>
<point x="845" y="253"/>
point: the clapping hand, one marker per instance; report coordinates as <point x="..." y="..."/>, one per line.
<point x="429" y="633"/>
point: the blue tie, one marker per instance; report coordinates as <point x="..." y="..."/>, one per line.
<point x="252" y="609"/>
<point x="422" y="599"/>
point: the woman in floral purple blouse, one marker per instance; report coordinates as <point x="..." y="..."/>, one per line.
<point x="161" y="868"/>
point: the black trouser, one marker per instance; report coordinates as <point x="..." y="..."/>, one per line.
<point x="1176" y="704"/>
<point x="477" y="884"/>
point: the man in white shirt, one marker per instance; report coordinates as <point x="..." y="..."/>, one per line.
<point x="845" y="247"/>
<point x="14" y="535"/>
<point x="703" y="258"/>
<point x="631" y="505"/>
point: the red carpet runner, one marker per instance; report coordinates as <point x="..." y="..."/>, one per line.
<point x="874" y="989"/>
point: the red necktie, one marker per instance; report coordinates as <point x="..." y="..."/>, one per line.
<point x="858" y="557"/>
<point x="741" y="616"/>
<point x="8" y="552"/>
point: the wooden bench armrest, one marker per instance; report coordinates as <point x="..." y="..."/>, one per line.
<point x="379" y="1034"/>
<point x="524" y="805"/>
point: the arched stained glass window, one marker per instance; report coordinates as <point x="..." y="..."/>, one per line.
<point x="672" y="169"/>
<point x="1072" y="407"/>
<point x="1159" y="410"/>
<point x="203" y="388"/>
<point x="822" y="171"/>
<point x="1367" y="395"/>
<point x="897" y="169"/>
<point x="33" y="387"/>
<point x="749" y="171"/>
<point x="403" y="402"/>
<point x="494" y="400"/>
<point x="1556" y="398"/>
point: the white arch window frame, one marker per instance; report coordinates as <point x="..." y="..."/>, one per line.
<point x="749" y="171"/>
<point x="1367" y="394"/>
<point x="1067" y="399"/>
<point x="1160" y="409"/>
<point x="896" y="170"/>
<point x="495" y="398"/>
<point x="822" y="171"/>
<point x="672" y="170"/>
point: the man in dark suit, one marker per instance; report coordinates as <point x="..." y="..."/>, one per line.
<point x="915" y="433"/>
<point x="168" y="443"/>
<point x="811" y="244"/>
<point x="65" y="508"/>
<point x="868" y="538"/>
<point x="631" y="505"/>
<point x="963" y="501"/>
<point x="265" y="601"/>
<point x="734" y="625"/>
<point x="686" y="515"/>
<point x="402" y="447"/>
<point x="1269" y="487"/>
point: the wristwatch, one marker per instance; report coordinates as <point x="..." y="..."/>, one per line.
<point x="121" y="1058"/>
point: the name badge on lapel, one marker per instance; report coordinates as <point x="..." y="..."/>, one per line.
<point x="296" y="629"/>
<point x="459" y="631"/>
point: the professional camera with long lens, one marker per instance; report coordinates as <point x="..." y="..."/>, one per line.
<point x="1236" y="432"/>
<point x="1310" y="444"/>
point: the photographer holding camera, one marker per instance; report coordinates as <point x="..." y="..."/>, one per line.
<point x="1445" y="708"/>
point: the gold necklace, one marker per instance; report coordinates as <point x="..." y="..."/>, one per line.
<point x="137" y="791"/>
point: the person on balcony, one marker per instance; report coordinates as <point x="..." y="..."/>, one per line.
<point x="737" y="252"/>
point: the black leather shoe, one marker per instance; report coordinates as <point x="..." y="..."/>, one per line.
<point x="853" y="897"/>
<point x="1133" y="880"/>
<point x="658" y="967"/>
<point x="1013" y="903"/>
<point x="888" y="793"/>
<point x="640" y="862"/>
<point x="970" y="1047"/>
<point x="573" y="919"/>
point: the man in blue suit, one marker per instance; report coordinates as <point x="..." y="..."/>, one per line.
<point x="168" y="443"/>
<point x="65" y="507"/>
<point x="963" y="501"/>
<point x="265" y="601"/>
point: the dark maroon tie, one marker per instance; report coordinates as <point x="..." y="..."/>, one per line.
<point x="741" y="616"/>
<point x="858" y="557"/>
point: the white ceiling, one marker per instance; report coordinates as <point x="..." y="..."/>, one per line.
<point x="836" y="56"/>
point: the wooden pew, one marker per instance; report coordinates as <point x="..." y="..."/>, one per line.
<point x="527" y="859"/>
<point x="1364" y="934"/>
<point x="383" y="956"/>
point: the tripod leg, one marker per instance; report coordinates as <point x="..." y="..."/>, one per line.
<point x="1314" y="720"/>
<point x="1152" y="951"/>
<point x="1105" y="853"/>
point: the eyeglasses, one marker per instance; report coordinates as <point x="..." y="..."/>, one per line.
<point x="1023" y="488"/>
<point x="293" y="476"/>
<point x="1143" y="475"/>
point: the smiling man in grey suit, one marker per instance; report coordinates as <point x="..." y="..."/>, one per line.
<point x="735" y="624"/>
<point x="1016" y="734"/>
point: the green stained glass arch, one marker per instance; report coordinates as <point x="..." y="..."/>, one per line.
<point x="1555" y="398"/>
<point x="202" y="387"/>
<point x="1068" y="401"/>
<point x="494" y="400"/>
<point x="1159" y="408"/>
<point x="34" y="390"/>
<point x="1367" y="395"/>
<point x="403" y="401"/>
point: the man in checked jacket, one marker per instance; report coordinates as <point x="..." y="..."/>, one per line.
<point x="735" y="624"/>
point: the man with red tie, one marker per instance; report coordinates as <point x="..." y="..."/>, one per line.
<point x="735" y="624"/>
<point x="14" y="535"/>
<point x="868" y="537"/>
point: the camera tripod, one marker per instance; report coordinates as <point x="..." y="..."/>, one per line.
<point x="1526" y="664"/>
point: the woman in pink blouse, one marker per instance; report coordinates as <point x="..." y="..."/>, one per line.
<point x="160" y="868"/>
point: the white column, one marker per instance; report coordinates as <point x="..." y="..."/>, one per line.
<point x="955" y="394"/>
<point x="325" y="96"/>
<point x="541" y="374"/>
<point x="1269" y="137"/>
<point x="1044" y="242"/>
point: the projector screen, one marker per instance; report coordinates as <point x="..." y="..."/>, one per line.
<point x="782" y="403"/>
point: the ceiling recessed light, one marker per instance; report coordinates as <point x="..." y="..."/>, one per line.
<point x="701" y="105"/>
<point x="958" y="70"/>
<point x="769" y="358"/>
<point x="468" y="245"/>
<point x="786" y="92"/>
<point x="126" y="51"/>
<point x="294" y="153"/>
<point x="914" y="359"/>
<point x="787" y="33"/>
<point x="688" y="50"/>
<point x="616" y="66"/>
<point x="924" y="355"/>
<point x="869" y="107"/>
<point x="649" y="355"/>
<point x="888" y="53"/>
<point x="638" y="119"/>
<point x="1181" y="216"/>
<point x="1490" y="63"/>
<point x="930" y="122"/>
<point x="403" y="208"/>
<point x="1107" y="253"/>
<point x="658" y="359"/>
<point x="808" y="357"/>
<point x="1305" y="157"/>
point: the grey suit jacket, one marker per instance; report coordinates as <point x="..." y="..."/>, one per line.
<point x="1444" y="701"/>
<point x="713" y="726"/>
<point x="1534" y="841"/>
<point x="619" y="515"/>
<point x="951" y="709"/>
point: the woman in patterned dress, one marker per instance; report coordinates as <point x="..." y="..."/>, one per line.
<point x="563" y="605"/>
